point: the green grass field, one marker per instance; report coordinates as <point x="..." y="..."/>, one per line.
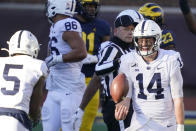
<point x="190" y="125"/>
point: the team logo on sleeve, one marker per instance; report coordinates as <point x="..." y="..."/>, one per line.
<point x="180" y="62"/>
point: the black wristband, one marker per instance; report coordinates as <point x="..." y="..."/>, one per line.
<point x="184" y="6"/>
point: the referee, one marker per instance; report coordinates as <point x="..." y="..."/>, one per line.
<point x="107" y="68"/>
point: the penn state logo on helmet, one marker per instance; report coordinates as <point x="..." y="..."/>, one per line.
<point x="23" y="42"/>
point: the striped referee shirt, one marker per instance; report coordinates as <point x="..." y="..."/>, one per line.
<point x="107" y="66"/>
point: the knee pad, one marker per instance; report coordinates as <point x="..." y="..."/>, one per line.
<point x="45" y="113"/>
<point x="66" y="115"/>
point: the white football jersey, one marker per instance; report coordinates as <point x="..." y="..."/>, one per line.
<point x="66" y="76"/>
<point x="150" y="83"/>
<point x="18" y="76"/>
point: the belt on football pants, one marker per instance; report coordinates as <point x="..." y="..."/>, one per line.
<point x="20" y="115"/>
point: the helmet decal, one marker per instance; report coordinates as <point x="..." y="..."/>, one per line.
<point x="152" y="11"/>
<point x="143" y="25"/>
<point x="19" y="38"/>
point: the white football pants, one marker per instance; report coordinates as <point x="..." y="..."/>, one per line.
<point x="9" y="123"/>
<point x="142" y="123"/>
<point x="58" y="110"/>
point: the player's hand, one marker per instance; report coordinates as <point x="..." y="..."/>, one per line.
<point x="53" y="59"/>
<point x="90" y="59"/>
<point x="77" y="119"/>
<point x="122" y="109"/>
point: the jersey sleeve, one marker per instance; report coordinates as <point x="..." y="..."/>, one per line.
<point x="106" y="28"/>
<point x="176" y="63"/>
<point x="124" y="69"/>
<point x="176" y="80"/>
<point x="106" y="63"/>
<point x="44" y="69"/>
<point x="123" y="64"/>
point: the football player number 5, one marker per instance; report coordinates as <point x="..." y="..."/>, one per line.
<point x="11" y="78"/>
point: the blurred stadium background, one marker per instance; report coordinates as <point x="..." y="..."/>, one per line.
<point x="29" y="15"/>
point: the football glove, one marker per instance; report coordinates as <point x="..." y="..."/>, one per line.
<point x="77" y="119"/>
<point x="53" y="59"/>
<point x="90" y="59"/>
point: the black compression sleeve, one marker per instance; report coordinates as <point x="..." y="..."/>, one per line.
<point x="184" y="6"/>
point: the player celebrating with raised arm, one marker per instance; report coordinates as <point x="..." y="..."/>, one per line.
<point x="155" y="83"/>
<point x="188" y="15"/>
<point x="65" y="83"/>
<point x="94" y="32"/>
<point x="21" y="83"/>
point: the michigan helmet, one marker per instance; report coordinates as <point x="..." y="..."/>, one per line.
<point x="82" y="9"/>
<point x="134" y="15"/>
<point x="152" y="11"/>
<point x="146" y="29"/>
<point x="23" y="42"/>
<point x="65" y="7"/>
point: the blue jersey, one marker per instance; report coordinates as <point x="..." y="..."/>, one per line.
<point x="92" y="34"/>
<point x="168" y="39"/>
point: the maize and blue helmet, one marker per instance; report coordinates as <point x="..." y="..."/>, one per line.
<point x="152" y="11"/>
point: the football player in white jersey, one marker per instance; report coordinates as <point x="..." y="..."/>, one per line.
<point x="65" y="83"/>
<point x="21" y="83"/>
<point x="155" y="83"/>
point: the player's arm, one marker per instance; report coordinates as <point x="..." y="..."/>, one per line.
<point x="90" y="91"/>
<point x="189" y="17"/>
<point x="77" y="45"/>
<point x="108" y="62"/>
<point x="36" y="99"/>
<point x="176" y="83"/>
<point x="122" y="108"/>
<point x="177" y="95"/>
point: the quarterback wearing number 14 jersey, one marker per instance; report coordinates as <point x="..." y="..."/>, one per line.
<point x="150" y="84"/>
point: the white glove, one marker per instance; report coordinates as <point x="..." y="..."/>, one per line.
<point x="77" y="119"/>
<point x="180" y="127"/>
<point x="53" y="59"/>
<point x="90" y="59"/>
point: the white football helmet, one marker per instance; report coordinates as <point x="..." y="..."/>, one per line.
<point x="135" y="15"/>
<point x="148" y="28"/>
<point x="23" y="42"/>
<point x="65" y="7"/>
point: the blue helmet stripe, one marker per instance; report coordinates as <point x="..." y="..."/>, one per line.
<point x="143" y="25"/>
<point x="72" y="5"/>
<point x="138" y="15"/>
<point x="19" y="38"/>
